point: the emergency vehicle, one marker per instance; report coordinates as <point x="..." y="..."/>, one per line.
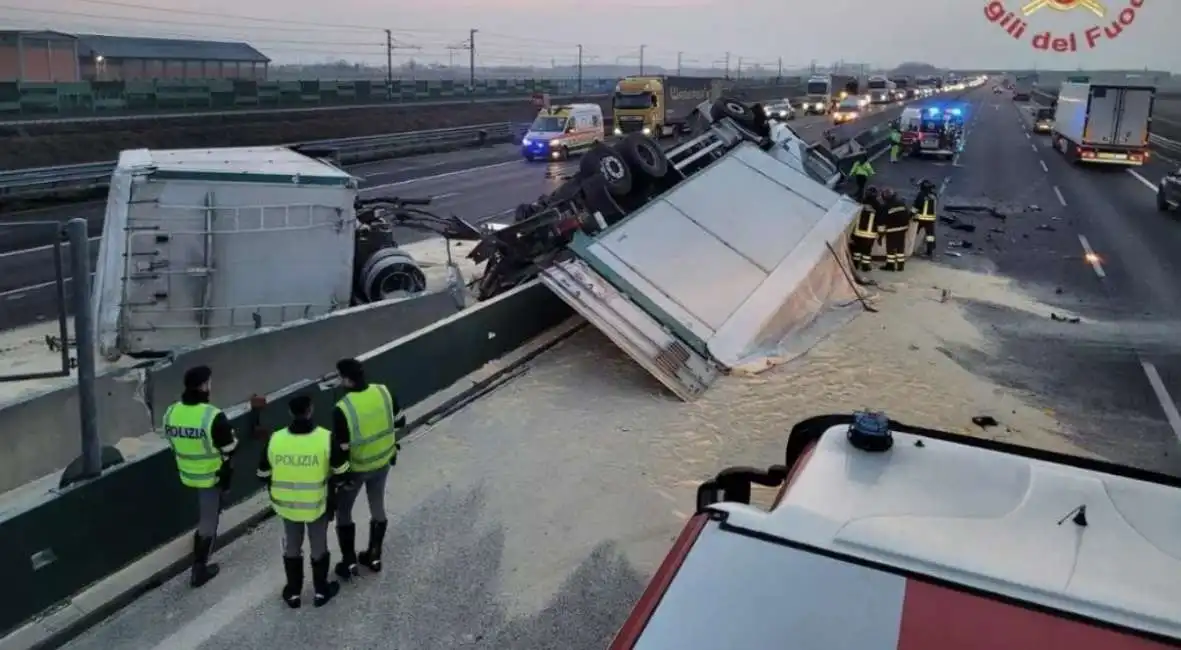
<point x="932" y="131"/>
<point x="559" y="131"/>
<point x="883" y="536"/>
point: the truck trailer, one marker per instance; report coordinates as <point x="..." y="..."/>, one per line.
<point x="1104" y="123"/>
<point x="660" y="105"/>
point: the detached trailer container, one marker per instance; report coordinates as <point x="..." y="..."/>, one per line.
<point x="1104" y="123"/>
<point x="201" y="244"/>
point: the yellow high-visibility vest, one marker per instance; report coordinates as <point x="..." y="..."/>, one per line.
<point x="299" y="473"/>
<point x="371" y="417"/>
<point x="189" y="430"/>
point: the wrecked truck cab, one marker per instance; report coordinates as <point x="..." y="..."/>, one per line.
<point x="934" y="540"/>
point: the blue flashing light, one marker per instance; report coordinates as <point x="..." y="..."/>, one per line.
<point x="934" y="110"/>
<point x="956" y="111"/>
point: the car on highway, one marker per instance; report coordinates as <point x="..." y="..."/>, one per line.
<point x="1168" y="193"/>
<point x="781" y="109"/>
<point x="1043" y="120"/>
<point x="996" y="90"/>
<point x="848" y="110"/>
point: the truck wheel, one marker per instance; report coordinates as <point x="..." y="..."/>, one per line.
<point x="604" y="162"/>
<point x="643" y="155"/>
<point x="1162" y="203"/>
<point x="735" y="110"/>
<point x="391" y="273"/>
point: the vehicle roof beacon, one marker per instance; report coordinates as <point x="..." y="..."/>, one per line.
<point x="870" y="431"/>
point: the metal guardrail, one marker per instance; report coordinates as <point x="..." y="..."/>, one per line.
<point x="46" y="181"/>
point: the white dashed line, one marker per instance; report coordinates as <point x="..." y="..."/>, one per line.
<point x="1044" y="168"/>
<point x="1027" y="136"/>
<point x="1091" y="257"/>
<point x="1033" y="146"/>
<point x="1140" y="177"/>
<point x="1162" y="395"/>
<point x="1058" y="192"/>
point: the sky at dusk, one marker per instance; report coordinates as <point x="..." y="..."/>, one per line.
<point x="952" y="33"/>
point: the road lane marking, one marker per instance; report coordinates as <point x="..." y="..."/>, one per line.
<point x="1044" y="168"/>
<point x="36" y="249"/>
<point x="1162" y="395"/>
<point x="1027" y="136"/>
<point x="1140" y="177"/>
<point x="1091" y="257"/>
<point x="1033" y="146"/>
<point x="1058" y="192"/>
<point x="433" y="177"/>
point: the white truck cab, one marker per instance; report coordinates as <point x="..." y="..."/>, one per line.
<point x="562" y="130"/>
<point x="883" y="536"/>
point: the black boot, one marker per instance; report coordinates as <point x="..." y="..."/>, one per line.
<point x="347" y="567"/>
<point x="931" y="249"/>
<point x="324" y="588"/>
<point x="900" y="267"/>
<point x="293" y="567"/>
<point x="202" y="571"/>
<point x="371" y="557"/>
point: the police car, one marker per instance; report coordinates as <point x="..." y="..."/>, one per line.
<point x="883" y="536"/>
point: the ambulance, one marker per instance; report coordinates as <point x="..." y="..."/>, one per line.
<point x="562" y="130"/>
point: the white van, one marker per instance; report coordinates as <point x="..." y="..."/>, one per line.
<point x="559" y="131"/>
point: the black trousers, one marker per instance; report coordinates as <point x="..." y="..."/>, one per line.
<point x="896" y="248"/>
<point x="927" y="231"/>
<point x="861" y="180"/>
<point x="862" y="251"/>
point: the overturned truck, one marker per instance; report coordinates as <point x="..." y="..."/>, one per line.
<point x="724" y="253"/>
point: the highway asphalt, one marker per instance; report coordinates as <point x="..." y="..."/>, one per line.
<point x="475" y="185"/>
<point x="1113" y="376"/>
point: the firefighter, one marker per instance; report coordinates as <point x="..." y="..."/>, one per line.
<point x="895" y="143"/>
<point x="299" y="462"/>
<point x="864" y="233"/>
<point x="893" y="220"/>
<point x="368" y="417"/>
<point x="861" y="172"/>
<point x="203" y="442"/>
<point x="924" y="215"/>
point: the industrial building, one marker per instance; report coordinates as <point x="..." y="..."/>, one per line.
<point x="46" y="56"/>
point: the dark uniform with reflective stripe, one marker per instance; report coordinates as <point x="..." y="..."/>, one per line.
<point x="864" y="233"/>
<point x="894" y="221"/>
<point x="202" y="442"/>
<point x="297" y="466"/>
<point x="924" y="215"/>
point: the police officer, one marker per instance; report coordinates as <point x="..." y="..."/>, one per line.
<point x="202" y="441"/>
<point x="924" y="215"/>
<point x="297" y="466"/>
<point x="864" y="233"/>
<point x="861" y="173"/>
<point x="368" y="417"/>
<point x="893" y="221"/>
<point x="895" y="143"/>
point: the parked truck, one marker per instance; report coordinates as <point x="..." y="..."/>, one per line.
<point x="660" y="105"/>
<point x="823" y="92"/>
<point x="202" y="244"/>
<point x="1104" y="123"/>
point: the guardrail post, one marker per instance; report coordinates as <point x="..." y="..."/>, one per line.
<point x="92" y="464"/>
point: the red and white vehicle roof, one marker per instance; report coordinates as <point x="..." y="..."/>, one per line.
<point x="945" y="542"/>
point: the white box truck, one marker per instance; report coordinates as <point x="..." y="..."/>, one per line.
<point x="200" y="244"/>
<point x="1103" y="123"/>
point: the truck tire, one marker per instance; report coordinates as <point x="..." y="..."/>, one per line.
<point x="604" y="162"/>
<point x="390" y="273"/>
<point x="728" y="107"/>
<point x="1162" y="203"/>
<point x="644" y="156"/>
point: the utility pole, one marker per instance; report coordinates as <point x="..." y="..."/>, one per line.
<point x="738" y="73"/>
<point x="727" y="65"/>
<point x="679" y="58"/>
<point x="389" y="64"/>
<point x="580" y="69"/>
<point x="471" y="51"/>
<point x="642" y="48"/>
<point x="779" y="75"/>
